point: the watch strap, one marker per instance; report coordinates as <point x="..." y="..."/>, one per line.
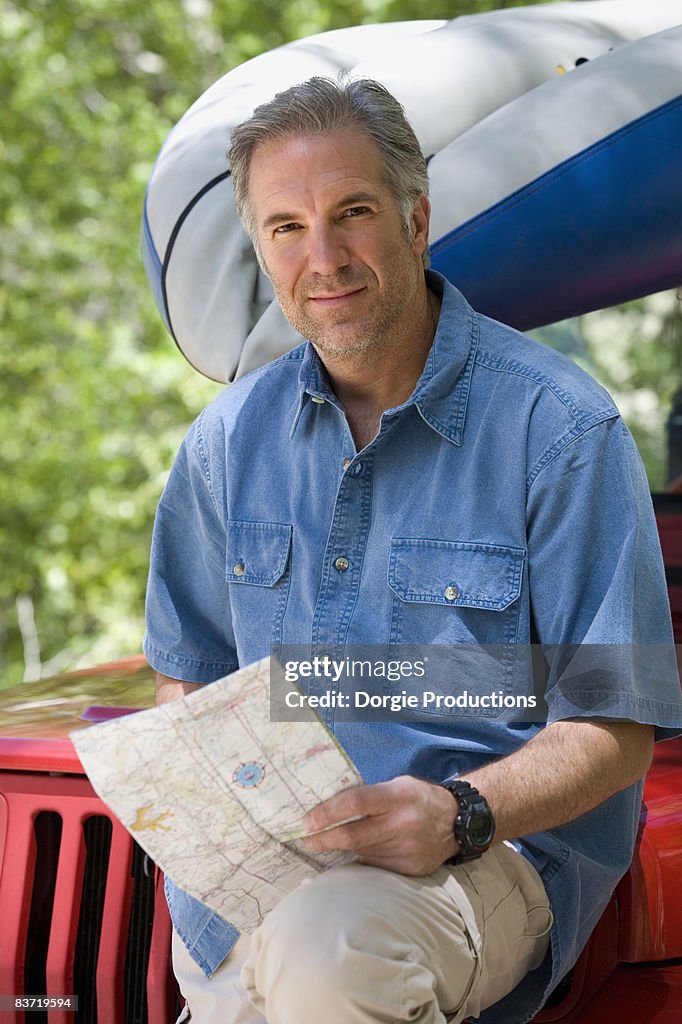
<point x="471" y="806"/>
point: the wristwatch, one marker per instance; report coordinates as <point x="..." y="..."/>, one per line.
<point x="474" y="825"/>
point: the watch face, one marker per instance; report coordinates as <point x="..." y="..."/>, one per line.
<point x="479" y="828"/>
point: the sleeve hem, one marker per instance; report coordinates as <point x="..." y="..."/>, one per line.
<point x="189" y="670"/>
<point x="664" y="717"/>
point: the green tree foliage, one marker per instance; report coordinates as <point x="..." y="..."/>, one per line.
<point x="635" y="351"/>
<point x="94" y="397"/>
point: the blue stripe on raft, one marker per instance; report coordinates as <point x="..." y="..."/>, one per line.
<point x="603" y="227"/>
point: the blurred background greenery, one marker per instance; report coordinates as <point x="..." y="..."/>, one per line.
<point x="94" y="397"/>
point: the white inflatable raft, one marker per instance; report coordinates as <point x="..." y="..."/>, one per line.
<point x="554" y="138"/>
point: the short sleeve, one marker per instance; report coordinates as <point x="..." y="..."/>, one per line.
<point x="189" y="633"/>
<point x="597" y="584"/>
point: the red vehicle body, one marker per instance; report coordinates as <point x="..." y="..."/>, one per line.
<point x="82" y="910"/>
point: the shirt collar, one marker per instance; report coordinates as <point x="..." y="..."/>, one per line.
<point x="442" y="391"/>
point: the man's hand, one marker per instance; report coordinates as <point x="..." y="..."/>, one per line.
<point x="406" y="825"/>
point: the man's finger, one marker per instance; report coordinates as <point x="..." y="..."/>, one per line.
<point x="354" y="803"/>
<point x="305" y="833"/>
<point x="371" y="833"/>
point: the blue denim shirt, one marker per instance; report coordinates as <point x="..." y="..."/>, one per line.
<point x="507" y="458"/>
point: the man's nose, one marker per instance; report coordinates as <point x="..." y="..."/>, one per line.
<point x="327" y="251"/>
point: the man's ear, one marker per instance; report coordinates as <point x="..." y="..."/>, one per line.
<point x="421" y="214"/>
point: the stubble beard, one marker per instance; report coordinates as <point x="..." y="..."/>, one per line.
<point x="381" y="329"/>
<point x="345" y="342"/>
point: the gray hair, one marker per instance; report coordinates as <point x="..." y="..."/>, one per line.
<point x="323" y="105"/>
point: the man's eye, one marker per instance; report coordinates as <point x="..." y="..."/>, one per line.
<point x="356" y="211"/>
<point x="284" y="229"/>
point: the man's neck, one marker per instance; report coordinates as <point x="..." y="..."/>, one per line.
<point x="373" y="382"/>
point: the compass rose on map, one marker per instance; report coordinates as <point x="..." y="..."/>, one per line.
<point x="249" y="775"/>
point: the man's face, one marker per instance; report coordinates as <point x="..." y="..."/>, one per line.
<point x="333" y="241"/>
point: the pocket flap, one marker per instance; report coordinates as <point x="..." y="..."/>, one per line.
<point x="257" y="552"/>
<point x="455" y="573"/>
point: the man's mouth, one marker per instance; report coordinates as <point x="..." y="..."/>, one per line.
<point x="336" y="298"/>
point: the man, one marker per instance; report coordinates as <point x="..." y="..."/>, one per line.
<point x="416" y="474"/>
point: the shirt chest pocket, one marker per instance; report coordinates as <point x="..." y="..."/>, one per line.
<point x="454" y="591"/>
<point x="257" y="569"/>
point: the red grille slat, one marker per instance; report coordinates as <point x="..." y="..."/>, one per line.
<point x="162" y="1002"/>
<point x="64" y="928"/>
<point x="16" y="885"/>
<point x="112" y="949"/>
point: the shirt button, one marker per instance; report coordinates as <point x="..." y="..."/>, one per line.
<point x="451" y="593"/>
<point x="318" y="401"/>
<point x="341" y="564"/>
<point x="346" y="463"/>
<point x="238" y="569"/>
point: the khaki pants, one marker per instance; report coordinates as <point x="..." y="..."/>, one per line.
<point x="360" y="945"/>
